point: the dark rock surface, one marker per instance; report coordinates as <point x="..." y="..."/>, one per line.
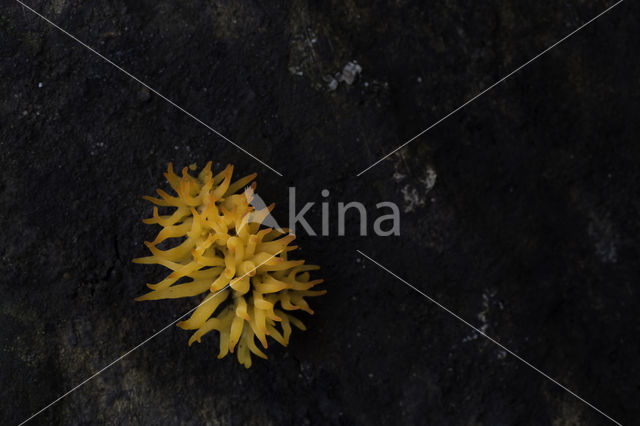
<point x="530" y="232"/>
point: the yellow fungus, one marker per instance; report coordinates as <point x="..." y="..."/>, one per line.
<point x="239" y="269"/>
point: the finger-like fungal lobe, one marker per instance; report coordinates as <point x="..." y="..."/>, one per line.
<point x="246" y="284"/>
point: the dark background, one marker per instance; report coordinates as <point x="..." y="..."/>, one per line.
<point x="531" y="230"/>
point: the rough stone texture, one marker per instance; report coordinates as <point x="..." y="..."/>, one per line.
<point x="530" y="229"/>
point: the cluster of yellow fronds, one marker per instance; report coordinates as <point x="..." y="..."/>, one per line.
<point x="226" y="255"/>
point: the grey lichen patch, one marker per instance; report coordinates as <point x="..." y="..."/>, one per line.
<point x="317" y="53"/>
<point x="429" y="179"/>
<point x="302" y="54"/>
<point x="303" y="58"/>
<point x="348" y="75"/>
<point x="488" y="302"/>
<point x="58" y="6"/>
<point x="412" y="199"/>
<point x="414" y="188"/>
<point x="569" y="412"/>
<point x="305" y="61"/>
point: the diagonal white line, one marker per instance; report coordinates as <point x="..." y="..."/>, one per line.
<point x="492" y="86"/>
<point x="477" y="330"/>
<point x="206" y="299"/>
<point x="150" y="88"/>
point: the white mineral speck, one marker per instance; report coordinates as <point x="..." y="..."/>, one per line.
<point x="350" y="72"/>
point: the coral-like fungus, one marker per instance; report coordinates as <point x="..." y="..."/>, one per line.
<point x="225" y="253"/>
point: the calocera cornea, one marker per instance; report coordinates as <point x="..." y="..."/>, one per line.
<point x="242" y="268"/>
